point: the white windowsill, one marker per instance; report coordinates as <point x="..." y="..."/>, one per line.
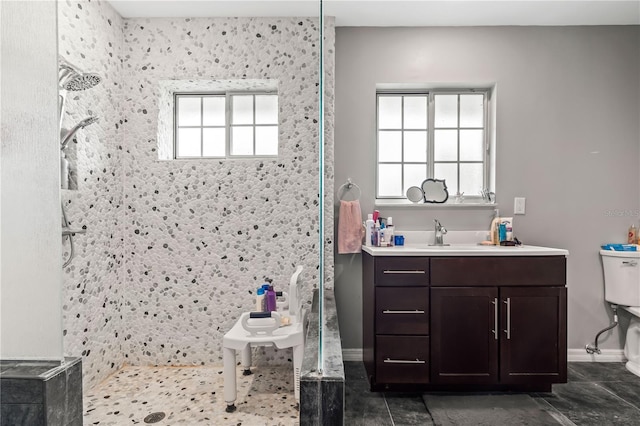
<point x="448" y="205"/>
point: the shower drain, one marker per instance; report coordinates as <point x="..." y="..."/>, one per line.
<point x="154" y="417"/>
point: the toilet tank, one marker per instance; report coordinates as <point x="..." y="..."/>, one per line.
<point x="621" y="277"/>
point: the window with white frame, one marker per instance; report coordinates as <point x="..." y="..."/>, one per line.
<point x="436" y="134"/>
<point x="225" y="125"/>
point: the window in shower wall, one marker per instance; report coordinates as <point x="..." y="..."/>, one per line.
<point x="225" y="125"/>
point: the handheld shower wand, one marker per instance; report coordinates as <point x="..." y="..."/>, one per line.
<point x="70" y="133"/>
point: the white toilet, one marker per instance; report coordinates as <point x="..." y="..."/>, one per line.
<point x="622" y="287"/>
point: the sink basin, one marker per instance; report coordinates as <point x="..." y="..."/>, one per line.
<point x="458" y="247"/>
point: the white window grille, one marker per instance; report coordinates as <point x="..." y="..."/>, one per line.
<point x="435" y="134"/>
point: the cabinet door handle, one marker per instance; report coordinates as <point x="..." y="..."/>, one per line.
<point x="508" y="330"/>
<point x="416" y="311"/>
<point x="495" y="317"/>
<point x="404" y="361"/>
<point x="402" y="272"/>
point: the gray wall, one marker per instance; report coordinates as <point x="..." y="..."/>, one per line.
<point x="31" y="230"/>
<point x="567" y="139"/>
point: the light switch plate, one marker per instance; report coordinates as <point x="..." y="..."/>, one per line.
<point x="518" y="205"/>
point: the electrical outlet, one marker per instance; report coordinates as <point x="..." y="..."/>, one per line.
<point x="518" y="205"/>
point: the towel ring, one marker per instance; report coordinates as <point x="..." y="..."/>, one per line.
<point x="346" y="187"/>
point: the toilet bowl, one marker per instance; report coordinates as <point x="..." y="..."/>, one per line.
<point x="632" y="345"/>
<point x="622" y="287"/>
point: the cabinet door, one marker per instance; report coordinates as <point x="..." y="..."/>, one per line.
<point x="464" y="339"/>
<point x="533" y="347"/>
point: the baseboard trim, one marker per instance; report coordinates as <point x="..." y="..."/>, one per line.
<point x="352" y="354"/>
<point x="573" y="355"/>
<point x="607" y="355"/>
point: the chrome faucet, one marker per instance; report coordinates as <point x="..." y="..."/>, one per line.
<point x="440" y="231"/>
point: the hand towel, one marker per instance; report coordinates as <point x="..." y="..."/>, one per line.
<point x="350" y="229"/>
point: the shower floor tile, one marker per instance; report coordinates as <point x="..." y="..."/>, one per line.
<point x="192" y="396"/>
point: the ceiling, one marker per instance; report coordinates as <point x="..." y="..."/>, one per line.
<point x="401" y="12"/>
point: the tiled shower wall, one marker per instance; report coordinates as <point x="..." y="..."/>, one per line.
<point x="175" y="249"/>
<point x="90" y="37"/>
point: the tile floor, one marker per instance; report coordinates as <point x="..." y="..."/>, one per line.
<point x="597" y="394"/>
<point x="192" y="396"/>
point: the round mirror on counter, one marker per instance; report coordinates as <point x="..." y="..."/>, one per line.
<point x="415" y="194"/>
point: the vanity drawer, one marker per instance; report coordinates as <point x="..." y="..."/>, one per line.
<point x="498" y="271"/>
<point x="402" y="310"/>
<point x="402" y="359"/>
<point x="401" y="271"/>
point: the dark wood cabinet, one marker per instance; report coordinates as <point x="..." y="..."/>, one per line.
<point x="533" y="346"/>
<point x="396" y="321"/>
<point x="464" y="346"/>
<point x="448" y="322"/>
<point x="525" y="325"/>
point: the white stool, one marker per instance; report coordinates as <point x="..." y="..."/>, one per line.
<point x="252" y="332"/>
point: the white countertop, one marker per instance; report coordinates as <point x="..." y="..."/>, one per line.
<point x="464" y="250"/>
<point x="462" y="243"/>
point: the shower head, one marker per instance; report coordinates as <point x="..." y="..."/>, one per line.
<point x="77" y="82"/>
<point x="69" y="134"/>
<point x="71" y="78"/>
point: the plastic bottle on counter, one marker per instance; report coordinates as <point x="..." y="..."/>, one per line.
<point x="502" y="232"/>
<point x="633" y="234"/>
<point x="260" y="300"/>
<point x="390" y="232"/>
<point x="369" y="230"/>
<point x="382" y="236"/>
<point x="493" y="229"/>
<point x="375" y="235"/>
<point x="495" y="233"/>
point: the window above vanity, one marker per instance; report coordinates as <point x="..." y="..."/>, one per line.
<point x="443" y="134"/>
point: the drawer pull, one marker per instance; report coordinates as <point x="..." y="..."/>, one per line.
<point x="416" y="311"/>
<point x="404" y="361"/>
<point x="403" y="272"/>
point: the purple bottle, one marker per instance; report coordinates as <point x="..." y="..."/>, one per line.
<point x="271" y="299"/>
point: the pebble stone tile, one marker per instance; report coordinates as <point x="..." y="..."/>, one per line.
<point x="192" y="396"/>
<point x="174" y="250"/>
<point x="90" y="37"/>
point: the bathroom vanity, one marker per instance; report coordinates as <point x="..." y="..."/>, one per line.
<point x="464" y="317"/>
